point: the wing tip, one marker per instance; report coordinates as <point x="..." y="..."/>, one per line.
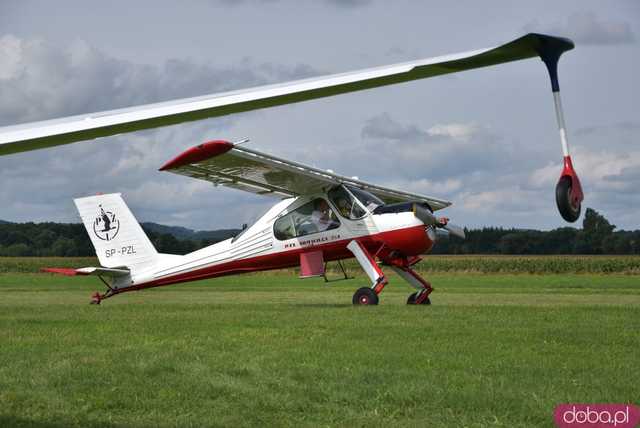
<point x="558" y="44"/>
<point x="62" y="271"/>
<point x="198" y="153"/>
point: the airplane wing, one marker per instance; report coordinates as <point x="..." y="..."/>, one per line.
<point x="38" y="135"/>
<point x="235" y="166"/>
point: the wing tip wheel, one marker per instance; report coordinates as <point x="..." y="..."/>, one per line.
<point x="569" y="205"/>
<point x="365" y="296"/>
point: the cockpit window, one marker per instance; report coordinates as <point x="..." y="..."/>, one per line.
<point x="313" y="217"/>
<point x="367" y="199"/>
<point x="345" y="203"/>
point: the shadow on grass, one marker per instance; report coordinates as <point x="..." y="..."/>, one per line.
<point x="321" y="305"/>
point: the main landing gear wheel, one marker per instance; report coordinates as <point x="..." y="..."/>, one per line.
<point x="412" y="300"/>
<point x="365" y="296"/>
<point x="569" y="209"/>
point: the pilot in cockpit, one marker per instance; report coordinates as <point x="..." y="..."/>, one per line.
<point x="322" y="216"/>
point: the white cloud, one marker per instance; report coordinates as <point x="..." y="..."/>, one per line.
<point x="457" y="131"/>
<point x="587" y="28"/>
<point x="598" y="170"/>
<point x="10" y="52"/>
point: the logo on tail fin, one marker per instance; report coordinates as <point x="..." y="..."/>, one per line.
<point x="106" y="225"/>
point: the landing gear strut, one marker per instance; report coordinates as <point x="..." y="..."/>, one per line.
<point x="367" y="295"/>
<point x="420" y="297"/>
<point x="400" y="264"/>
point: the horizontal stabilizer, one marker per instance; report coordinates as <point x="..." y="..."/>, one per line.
<point x="101" y="271"/>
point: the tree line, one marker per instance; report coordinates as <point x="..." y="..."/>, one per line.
<point x="597" y="236"/>
<point x="71" y="240"/>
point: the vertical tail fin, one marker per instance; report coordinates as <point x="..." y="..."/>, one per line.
<point x="115" y="234"/>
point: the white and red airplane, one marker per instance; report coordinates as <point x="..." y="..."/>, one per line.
<point x="322" y="217"/>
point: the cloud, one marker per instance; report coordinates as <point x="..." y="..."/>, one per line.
<point x="384" y="127"/>
<point x="600" y="170"/>
<point x="439" y="150"/>
<point x="625" y="126"/>
<point x="487" y="175"/>
<point x="587" y="28"/>
<point x="627" y="179"/>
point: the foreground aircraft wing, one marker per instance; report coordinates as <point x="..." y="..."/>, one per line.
<point x="235" y="166"/>
<point x="38" y="135"/>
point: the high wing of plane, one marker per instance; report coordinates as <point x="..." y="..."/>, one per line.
<point x="38" y="135"/>
<point x="235" y="166"/>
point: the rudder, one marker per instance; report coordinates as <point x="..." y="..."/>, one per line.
<point x="115" y="233"/>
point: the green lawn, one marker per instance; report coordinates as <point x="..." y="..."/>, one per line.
<point x="492" y="350"/>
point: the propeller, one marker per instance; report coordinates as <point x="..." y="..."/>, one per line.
<point x="425" y="215"/>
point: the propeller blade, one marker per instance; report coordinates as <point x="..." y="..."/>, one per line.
<point x="427" y="217"/>
<point x="455" y="230"/>
<point x="424" y="215"/>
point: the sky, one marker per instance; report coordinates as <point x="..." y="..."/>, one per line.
<point x="484" y="139"/>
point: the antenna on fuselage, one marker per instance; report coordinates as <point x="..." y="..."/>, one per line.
<point x="240" y="142"/>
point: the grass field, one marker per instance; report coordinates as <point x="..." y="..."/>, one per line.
<point x="269" y="349"/>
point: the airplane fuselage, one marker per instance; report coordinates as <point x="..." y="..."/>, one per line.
<point x="259" y="247"/>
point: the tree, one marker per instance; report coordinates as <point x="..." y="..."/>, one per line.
<point x="595" y="228"/>
<point x="64" y="247"/>
<point x="17" y="250"/>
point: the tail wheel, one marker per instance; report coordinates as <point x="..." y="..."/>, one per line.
<point x="96" y="298"/>
<point x="412" y="300"/>
<point x="365" y="296"/>
<point x="569" y="209"/>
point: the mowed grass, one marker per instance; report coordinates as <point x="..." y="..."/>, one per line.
<point x="272" y="350"/>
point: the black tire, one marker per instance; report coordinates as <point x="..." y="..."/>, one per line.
<point x="365" y="296"/>
<point x="412" y="300"/>
<point x="568" y="211"/>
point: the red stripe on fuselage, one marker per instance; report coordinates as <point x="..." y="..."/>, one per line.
<point x="410" y="241"/>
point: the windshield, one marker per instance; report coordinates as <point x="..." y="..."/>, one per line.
<point x="345" y="203"/>
<point x="367" y="199"/>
